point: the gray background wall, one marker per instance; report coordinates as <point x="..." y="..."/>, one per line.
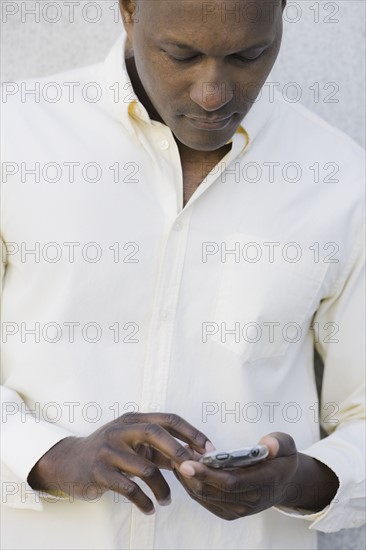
<point x="323" y="52"/>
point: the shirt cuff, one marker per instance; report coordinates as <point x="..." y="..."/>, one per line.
<point x="22" y="447"/>
<point x="347" y="508"/>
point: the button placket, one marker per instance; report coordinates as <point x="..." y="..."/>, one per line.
<point x="162" y="325"/>
<point x="167" y="169"/>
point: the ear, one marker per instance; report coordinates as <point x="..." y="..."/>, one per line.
<point x="128" y="9"/>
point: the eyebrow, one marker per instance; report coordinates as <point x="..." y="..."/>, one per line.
<point x="181" y="45"/>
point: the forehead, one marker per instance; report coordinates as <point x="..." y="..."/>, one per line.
<point x="210" y="24"/>
<point x="195" y="18"/>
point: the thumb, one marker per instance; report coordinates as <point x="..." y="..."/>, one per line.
<point x="279" y="444"/>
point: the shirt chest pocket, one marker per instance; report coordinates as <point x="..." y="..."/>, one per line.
<point x="267" y="291"/>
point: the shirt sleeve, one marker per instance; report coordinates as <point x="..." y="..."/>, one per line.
<point x="342" y="415"/>
<point x="24" y="440"/>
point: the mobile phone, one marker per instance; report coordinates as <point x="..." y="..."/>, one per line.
<point x="236" y="458"/>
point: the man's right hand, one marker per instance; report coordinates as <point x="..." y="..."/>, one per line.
<point x="135" y="444"/>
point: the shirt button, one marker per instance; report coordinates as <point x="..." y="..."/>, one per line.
<point x="164" y="315"/>
<point x="178" y="226"/>
<point x="164" y="145"/>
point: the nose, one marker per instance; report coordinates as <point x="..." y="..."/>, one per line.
<point x="211" y="90"/>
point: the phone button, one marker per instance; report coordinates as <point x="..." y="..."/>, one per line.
<point x="222" y="456"/>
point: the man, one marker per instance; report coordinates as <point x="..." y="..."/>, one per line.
<point x="159" y="304"/>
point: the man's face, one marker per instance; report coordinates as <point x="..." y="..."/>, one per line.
<point x="202" y="64"/>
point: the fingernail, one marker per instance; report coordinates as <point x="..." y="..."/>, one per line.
<point x="166" y="501"/>
<point x="277" y="445"/>
<point x="187" y="470"/>
<point x="209" y="447"/>
<point x="150" y="513"/>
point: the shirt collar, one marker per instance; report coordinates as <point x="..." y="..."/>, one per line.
<point x="124" y="105"/>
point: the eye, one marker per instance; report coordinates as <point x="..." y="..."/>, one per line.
<point x="192" y="58"/>
<point x="183" y="59"/>
<point x="248" y="59"/>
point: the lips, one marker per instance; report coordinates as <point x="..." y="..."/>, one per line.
<point x="210" y="124"/>
<point x="210" y="120"/>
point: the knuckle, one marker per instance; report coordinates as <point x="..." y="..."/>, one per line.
<point x="152" y="430"/>
<point x="99" y="475"/>
<point x="131" y="491"/>
<point x="197" y="436"/>
<point x="181" y="452"/>
<point x="130" y="418"/>
<point x="104" y="454"/>
<point x="232" y="484"/>
<point x="173" y="419"/>
<point x="112" y="438"/>
<point x="149" y="472"/>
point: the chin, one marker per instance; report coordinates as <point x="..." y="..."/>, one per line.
<point x="206" y="143"/>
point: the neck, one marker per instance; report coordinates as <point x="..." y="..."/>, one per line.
<point x="193" y="156"/>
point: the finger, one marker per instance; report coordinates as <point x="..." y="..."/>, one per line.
<point x="235" y="480"/>
<point x="204" y="474"/>
<point x="157" y="437"/>
<point x="135" y="465"/>
<point x="152" y="455"/>
<point x="279" y="444"/>
<point x="272" y="443"/>
<point x="116" y="481"/>
<point x="195" y="454"/>
<point x="225" y="506"/>
<point x="176" y="426"/>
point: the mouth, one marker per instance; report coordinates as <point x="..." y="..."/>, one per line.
<point x="210" y="124"/>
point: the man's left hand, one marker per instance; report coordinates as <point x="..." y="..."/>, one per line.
<point x="286" y="477"/>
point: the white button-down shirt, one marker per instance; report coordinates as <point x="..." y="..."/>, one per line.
<point x="117" y="298"/>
